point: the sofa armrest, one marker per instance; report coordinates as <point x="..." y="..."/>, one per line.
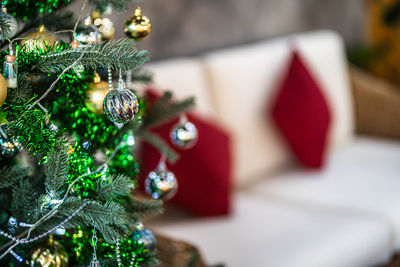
<point x="377" y="105"/>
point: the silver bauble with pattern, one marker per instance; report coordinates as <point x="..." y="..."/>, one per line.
<point x="120" y="105"/>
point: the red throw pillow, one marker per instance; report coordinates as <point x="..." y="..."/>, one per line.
<point x="302" y="114"/>
<point x="203" y="171"/>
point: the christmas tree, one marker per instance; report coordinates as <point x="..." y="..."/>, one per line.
<point x="69" y="120"/>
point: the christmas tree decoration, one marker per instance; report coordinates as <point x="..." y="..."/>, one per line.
<point x="60" y="231"/>
<point x="40" y="39"/>
<point x="129" y="139"/>
<point x="120" y="105"/>
<point x="75" y="44"/>
<point x="184" y="134"/>
<point x="161" y="183"/>
<point x="12" y="22"/>
<point x="49" y="253"/>
<point x="10" y="70"/>
<point x="3" y="90"/>
<point x="144" y="237"/>
<point x="88" y="33"/>
<point x="77" y="170"/>
<point x="8" y="147"/>
<point x="95" y="94"/>
<point x="94" y="262"/>
<point x="138" y="26"/>
<point x="12" y="225"/>
<point x="105" y="26"/>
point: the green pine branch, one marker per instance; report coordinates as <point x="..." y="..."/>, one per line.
<point x="57" y="21"/>
<point x="22" y="200"/>
<point x="144" y="208"/>
<point x="142" y="76"/>
<point x="115" y="186"/>
<point x="109" y="217"/>
<point x="165" y="110"/>
<point x="10" y="176"/>
<point x="5" y="25"/>
<point x="120" y="54"/>
<point x="57" y="172"/>
<point x="159" y="144"/>
<point x="118" y="5"/>
<point x="23" y="92"/>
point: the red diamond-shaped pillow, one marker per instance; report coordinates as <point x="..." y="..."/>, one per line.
<point x="203" y="171"/>
<point x="302" y="114"/>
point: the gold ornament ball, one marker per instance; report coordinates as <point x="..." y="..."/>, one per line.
<point x="95" y="94"/>
<point x="40" y="39"/>
<point x="138" y="26"/>
<point x="105" y="26"/>
<point x="3" y="90"/>
<point x="50" y="253"/>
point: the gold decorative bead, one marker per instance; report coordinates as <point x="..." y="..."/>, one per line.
<point x="3" y="90"/>
<point x="138" y="26"/>
<point x="95" y="94"/>
<point x="49" y="253"/>
<point x="40" y="39"/>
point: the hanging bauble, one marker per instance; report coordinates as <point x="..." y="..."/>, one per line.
<point x="86" y="145"/>
<point x="144" y="237"/>
<point x="8" y="147"/>
<point x="94" y="263"/>
<point x="39" y="39"/>
<point x="88" y="33"/>
<point x="49" y="253"/>
<point x="95" y="94"/>
<point x="10" y="70"/>
<point x="184" y="134"/>
<point x="12" y="225"/>
<point x="3" y="90"/>
<point x="105" y="26"/>
<point x="53" y="127"/>
<point x="13" y="24"/>
<point x="129" y="138"/>
<point x="161" y="183"/>
<point x="60" y="231"/>
<point x="138" y="26"/>
<point x="120" y="105"/>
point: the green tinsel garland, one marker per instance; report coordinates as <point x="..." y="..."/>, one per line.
<point x="28" y="9"/>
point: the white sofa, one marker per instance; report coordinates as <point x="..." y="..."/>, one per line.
<point x="345" y="215"/>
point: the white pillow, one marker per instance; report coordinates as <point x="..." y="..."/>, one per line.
<point x="244" y="80"/>
<point x="185" y="77"/>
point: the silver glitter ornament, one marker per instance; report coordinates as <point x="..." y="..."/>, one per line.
<point x="161" y="183"/>
<point x="120" y="105"/>
<point x="144" y="237"/>
<point x="12" y="225"/>
<point x="94" y="263"/>
<point x="88" y="33"/>
<point x="184" y="134"/>
<point x="12" y="22"/>
<point x="8" y="147"/>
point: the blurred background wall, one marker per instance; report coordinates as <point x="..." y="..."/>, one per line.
<point x="188" y="27"/>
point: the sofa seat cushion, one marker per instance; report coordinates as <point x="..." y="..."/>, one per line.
<point x="362" y="178"/>
<point x="265" y="232"/>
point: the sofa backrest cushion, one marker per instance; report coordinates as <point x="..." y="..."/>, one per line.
<point x="185" y="77"/>
<point x="241" y="79"/>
